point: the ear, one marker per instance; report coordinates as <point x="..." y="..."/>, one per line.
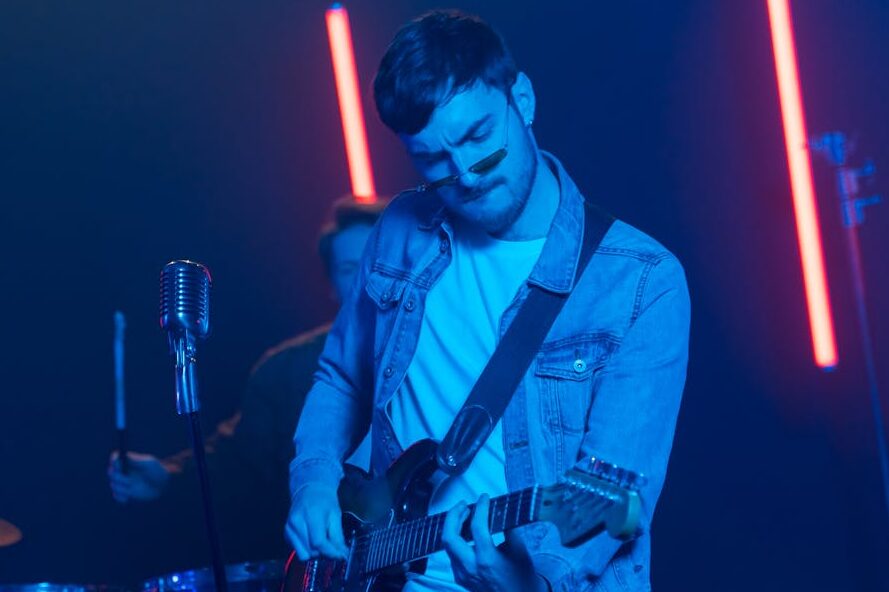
<point x="523" y="97"/>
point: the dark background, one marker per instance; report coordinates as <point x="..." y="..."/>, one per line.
<point x="133" y="133"/>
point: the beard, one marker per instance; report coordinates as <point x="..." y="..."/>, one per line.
<point x="496" y="203"/>
<point x="497" y="221"/>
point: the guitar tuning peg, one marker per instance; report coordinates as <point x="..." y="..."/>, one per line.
<point x="619" y="476"/>
<point x="601" y="469"/>
<point x="635" y="481"/>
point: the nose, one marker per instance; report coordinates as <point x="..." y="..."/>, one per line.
<point x="461" y="163"/>
<point x="467" y="181"/>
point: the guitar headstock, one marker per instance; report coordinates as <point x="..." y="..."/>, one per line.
<point x="586" y="501"/>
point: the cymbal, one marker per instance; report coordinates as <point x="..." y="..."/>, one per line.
<point x="9" y="533"/>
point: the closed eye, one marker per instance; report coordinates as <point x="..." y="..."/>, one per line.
<point x="477" y="132"/>
<point x="437" y="157"/>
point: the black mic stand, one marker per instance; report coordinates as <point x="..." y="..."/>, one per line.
<point x="836" y="147"/>
<point x="187" y="404"/>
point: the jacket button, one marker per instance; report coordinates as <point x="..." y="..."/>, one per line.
<point x="385" y="296"/>
<point x="579" y="365"/>
<point x="443" y="245"/>
<point x="409" y="305"/>
<point x="388" y="372"/>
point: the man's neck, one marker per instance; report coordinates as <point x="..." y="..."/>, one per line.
<point x="535" y="219"/>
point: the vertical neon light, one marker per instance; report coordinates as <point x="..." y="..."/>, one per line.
<point x="340" y="34"/>
<point x="804" y="205"/>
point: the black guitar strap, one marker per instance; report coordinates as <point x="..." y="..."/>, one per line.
<point x="513" y="355"/>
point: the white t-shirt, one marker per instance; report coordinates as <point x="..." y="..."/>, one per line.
<point x="460" y="330"/>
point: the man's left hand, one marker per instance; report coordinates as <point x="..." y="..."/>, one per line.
<point x="485" y="567"/>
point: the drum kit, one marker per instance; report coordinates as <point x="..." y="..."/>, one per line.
<point x="259" y="576"/>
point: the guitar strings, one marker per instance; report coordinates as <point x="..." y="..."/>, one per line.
<point x="397" y="543"/>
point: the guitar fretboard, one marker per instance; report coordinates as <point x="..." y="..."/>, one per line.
<point x="413" y="539"/>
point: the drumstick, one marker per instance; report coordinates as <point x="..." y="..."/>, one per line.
<point x="120" y="414"/>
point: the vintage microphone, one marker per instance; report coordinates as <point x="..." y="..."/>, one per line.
<point x="185" y="316"/>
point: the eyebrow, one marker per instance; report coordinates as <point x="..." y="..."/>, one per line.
<point x="463" y="139"/>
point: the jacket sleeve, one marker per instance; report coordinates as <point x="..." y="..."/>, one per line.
<point x="336" y="414"/>
<point x="642" y="385"/>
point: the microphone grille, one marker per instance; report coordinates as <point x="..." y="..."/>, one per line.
<point x="185" y="298"/>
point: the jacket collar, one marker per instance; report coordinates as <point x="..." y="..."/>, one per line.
<point x="556" y="268"/>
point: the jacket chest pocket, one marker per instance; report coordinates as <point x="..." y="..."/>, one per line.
<point x="386" y="293"/>
<point x="384" y="290"/>
<point x="564" y="371"/>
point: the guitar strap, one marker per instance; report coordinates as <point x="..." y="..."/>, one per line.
<point x="511" y="358"/>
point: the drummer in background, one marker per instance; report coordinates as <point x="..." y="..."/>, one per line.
<point x="249" y="453"/>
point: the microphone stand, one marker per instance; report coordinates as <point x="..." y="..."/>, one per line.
<point x="187" y="404"/>
<point x="835" y="147"/>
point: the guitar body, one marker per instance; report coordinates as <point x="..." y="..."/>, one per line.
<point x="403" y="493"/>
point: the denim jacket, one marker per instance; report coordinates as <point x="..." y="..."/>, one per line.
<point x="606" y="382"/>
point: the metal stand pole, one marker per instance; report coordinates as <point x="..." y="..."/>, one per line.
<point x="835" y="147"/>
<point x="200" y="457"/>
<point x="187" y="403"/>
<point x="185" y="315"/>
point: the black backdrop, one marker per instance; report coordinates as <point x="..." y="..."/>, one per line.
<point x="135" y="133"/>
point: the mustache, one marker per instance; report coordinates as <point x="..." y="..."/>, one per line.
<point x="477" y="192"/>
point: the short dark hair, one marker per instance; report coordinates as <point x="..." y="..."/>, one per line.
<point x="345" y="213"/>
<point x="433" y="58"/>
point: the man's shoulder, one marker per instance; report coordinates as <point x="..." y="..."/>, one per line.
<point x="624" y="240"/>
<point x="644" y="263"/>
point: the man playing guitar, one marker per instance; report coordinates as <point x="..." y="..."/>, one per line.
<point x="446" y="269"/>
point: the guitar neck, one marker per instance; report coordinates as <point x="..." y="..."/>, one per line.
<point x="411" y="540"/>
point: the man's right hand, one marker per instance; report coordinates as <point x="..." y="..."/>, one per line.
<point x="145" y="480"/>
<point x="314" y="526"/>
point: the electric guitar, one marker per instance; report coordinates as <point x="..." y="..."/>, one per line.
<point x="388" y="532"/>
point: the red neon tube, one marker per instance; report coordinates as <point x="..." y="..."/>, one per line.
<point x="804" y="204"/>
<point x="340" y="34"/>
